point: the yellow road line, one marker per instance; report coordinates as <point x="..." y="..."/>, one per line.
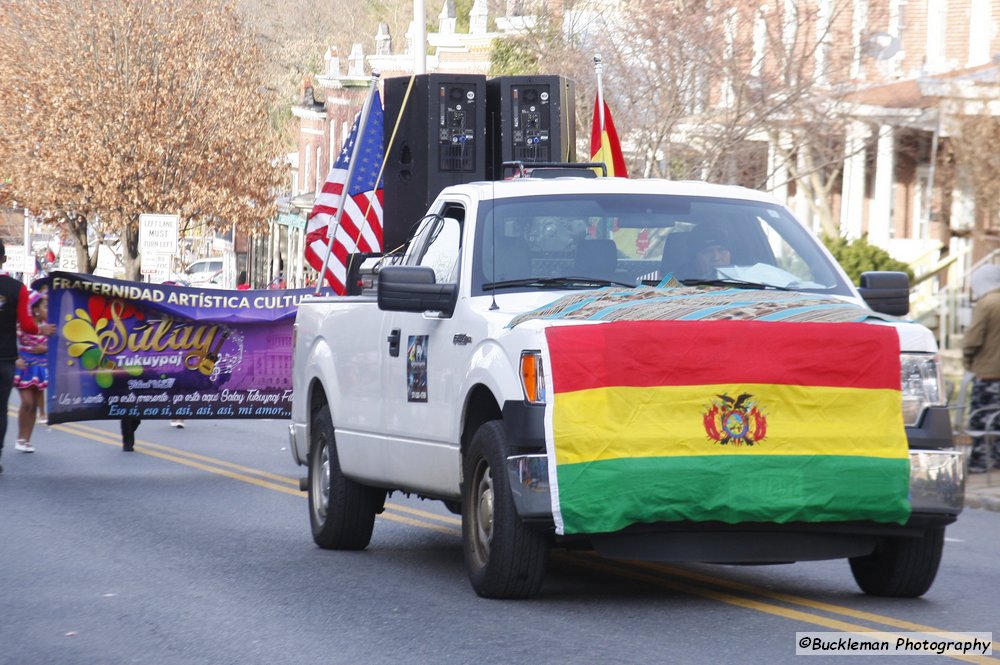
<point x="794" y="600"/>
<point x="591" y="562"/>
<point x="80" y="428"/>
<point x="629" y="570"/>
<point x="215" y="465"/>
<point x="447" y="519"/>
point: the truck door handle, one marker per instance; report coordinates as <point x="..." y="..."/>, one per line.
<point x="394" y="337"/>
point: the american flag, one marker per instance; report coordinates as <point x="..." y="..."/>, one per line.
<point x="360" y="227"/>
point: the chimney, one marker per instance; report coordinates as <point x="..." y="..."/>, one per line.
<point x="478" y="18"/>
<point x="356" y="61"/>
<point x="332" y="62"/>
<point x="383" y="40"/>
<point x="446" y="19"/>
<point x="308" y="98"/>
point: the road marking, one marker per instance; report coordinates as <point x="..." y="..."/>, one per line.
<point x="591" y="561"/>
<point x="788" y="598"/>
<point x="246" y="474"/>
<point x="633" y="569"/>
<point x="79" y="428"/>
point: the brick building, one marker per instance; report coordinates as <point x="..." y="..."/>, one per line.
<point x="906" y="71"/>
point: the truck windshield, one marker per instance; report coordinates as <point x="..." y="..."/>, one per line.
<point x="587" y="240"/>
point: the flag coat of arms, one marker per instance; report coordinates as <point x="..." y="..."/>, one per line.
<point x="729" y="421"/>
<point x="604" y="145"/>
<point x="360" y="228"/>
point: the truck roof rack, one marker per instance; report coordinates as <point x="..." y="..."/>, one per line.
<point x="554" y="169"/>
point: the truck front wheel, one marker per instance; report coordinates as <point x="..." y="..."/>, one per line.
<point x="900" y="567"/>
<point x="504" y="558"/>
<point x="341" y="511"/>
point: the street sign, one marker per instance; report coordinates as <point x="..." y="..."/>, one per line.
<point x="17" y="260"/>
<point x="157" y="267"/>
<point x="158" y="234"/>
<point x="67" y="259"/>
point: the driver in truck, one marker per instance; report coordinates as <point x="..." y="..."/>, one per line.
<point x="710" y="252"/>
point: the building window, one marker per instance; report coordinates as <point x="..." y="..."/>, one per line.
<point x="308" y="174"/>
<point x="981" y="21"/>
<point x="320" y="176"/>
<point x="823" y="27"/>
<point x="859" y="25"/>
<point x="759" y="41"/>
<point x="937" y="24"/>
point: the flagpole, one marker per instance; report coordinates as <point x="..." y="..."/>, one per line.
<point x="599" y="70"/>
<point x="362" y="125"/>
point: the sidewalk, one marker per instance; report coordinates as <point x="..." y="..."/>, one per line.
<point x="982" y="490"/>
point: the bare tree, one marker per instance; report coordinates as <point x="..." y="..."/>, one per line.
<point x="703" y="89"/>
<point x="294" y="35"/>
<point x="120" y="107"/>
<point x="975" y="157"/>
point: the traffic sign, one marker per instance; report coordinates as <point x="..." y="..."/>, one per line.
<point x="157" y="267"/>
<point x="158" y="234"/>
<point x="18" y="260"/>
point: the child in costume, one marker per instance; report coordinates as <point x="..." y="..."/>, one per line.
<point x="32" y="374"/>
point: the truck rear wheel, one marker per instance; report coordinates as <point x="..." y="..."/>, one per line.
<point x="504" y="558"/>
<point x="341" y="511"/>
<point x="900" y="567"/>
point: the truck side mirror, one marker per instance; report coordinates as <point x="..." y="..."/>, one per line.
<point x="412" y="289"/>
<point x="886" y="292"/>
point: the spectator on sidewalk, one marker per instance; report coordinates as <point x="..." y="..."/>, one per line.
<point x="981" y="353"/>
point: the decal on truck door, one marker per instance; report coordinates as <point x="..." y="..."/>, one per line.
<point x="416" y="368"/>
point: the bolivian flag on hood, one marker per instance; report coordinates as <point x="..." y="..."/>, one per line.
<point x="730" y="421"/>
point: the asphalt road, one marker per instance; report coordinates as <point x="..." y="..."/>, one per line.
<point x="196" y="549"/>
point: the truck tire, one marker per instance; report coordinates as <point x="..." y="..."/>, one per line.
<point x="900" y="567"/>
<point x="503" y="557"/>
<point x="341" y="511"/>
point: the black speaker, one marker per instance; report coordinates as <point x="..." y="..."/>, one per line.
<point x="531" y="119"/>
<point x="441" y="141"/>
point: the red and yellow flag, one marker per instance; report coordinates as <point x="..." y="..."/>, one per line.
<point x="604" y="145"/>
<point x="732" y="421"/>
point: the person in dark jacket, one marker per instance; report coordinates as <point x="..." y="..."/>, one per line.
<point x="981" y="353"/>
<point x="129" y="426"/>
<point x="14" y="311"/>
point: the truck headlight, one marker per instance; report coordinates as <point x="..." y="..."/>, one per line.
<point x="532" y="377"/>
<point x="922" y="385"/>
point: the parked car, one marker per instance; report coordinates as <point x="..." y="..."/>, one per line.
<point x="204" y="273"/>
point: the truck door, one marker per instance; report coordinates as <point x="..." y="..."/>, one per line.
<point x="421" y="378"/>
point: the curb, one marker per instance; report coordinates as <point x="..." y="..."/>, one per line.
<point x="986" y="502"/>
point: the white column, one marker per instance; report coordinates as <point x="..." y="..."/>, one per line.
<point x="880" y="212"/>
<point x="275" y="249"/>
<point x="778" y="151"/>
<point x="300" y="257"/>
<point x="852" y="202"/>
<point x="803" y="206"/>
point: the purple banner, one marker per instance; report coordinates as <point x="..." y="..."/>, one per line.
<point x="155" y="351"/>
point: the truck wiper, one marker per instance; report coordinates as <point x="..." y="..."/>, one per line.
<point x="554" y="281"/>
<point x="738" y="283"/>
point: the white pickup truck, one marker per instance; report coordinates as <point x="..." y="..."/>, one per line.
<point x="656" y="370"/>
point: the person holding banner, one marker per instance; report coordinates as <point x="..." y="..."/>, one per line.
<point x="129" y="425"/>
<point x="32" y="376"/>
<point x="13" y="311"/>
